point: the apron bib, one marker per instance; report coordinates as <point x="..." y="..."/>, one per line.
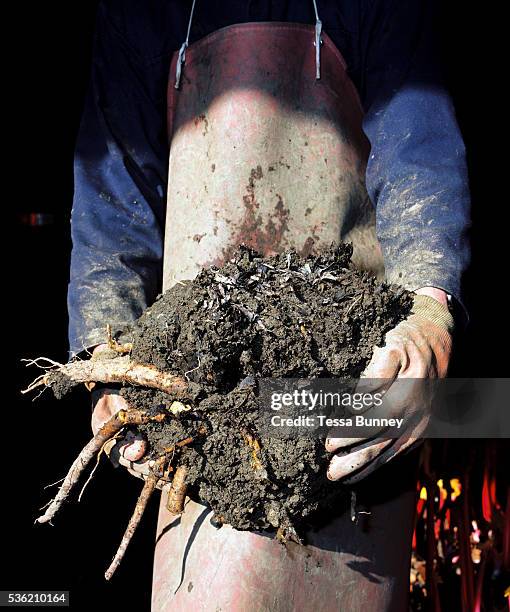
<point x="263" y="153"/>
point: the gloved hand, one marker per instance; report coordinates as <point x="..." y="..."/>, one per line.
<point x="417" y="348"/>
<point x="127" y="450"/>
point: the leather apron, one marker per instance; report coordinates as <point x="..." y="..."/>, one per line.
<point x="262" y="152"/>
<point x="267" y="149"/>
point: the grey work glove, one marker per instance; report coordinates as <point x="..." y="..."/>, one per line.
<point x="129" y="449"/>
<point x="417" y="348"/>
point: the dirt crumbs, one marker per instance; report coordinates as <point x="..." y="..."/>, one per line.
<point x="284" y="316"/>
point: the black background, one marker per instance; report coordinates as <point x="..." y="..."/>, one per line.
<point x="48" y="63"/>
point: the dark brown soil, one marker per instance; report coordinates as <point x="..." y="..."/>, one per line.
<point x="285" y="316"/>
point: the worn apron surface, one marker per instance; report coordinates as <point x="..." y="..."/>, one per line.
<point x="262" y="152"/>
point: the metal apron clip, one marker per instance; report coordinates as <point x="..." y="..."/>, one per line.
<point x="181" y="59"/>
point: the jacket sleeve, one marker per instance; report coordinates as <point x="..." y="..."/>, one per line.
<point x="417" y="174"/>
<point x="120" y="184"/>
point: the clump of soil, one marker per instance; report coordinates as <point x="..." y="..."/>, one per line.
<point x="284" y="316"/>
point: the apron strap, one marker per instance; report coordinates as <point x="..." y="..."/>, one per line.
<point x="182" y="51"/>
<point x="181" y="59"/>
<point x="318" y="42"/>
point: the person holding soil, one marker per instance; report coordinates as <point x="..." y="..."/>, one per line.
<point x="277" y="125"/>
